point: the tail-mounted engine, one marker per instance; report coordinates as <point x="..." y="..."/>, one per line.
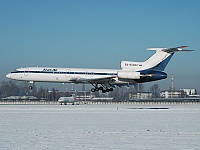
<point x="128" y="75"/>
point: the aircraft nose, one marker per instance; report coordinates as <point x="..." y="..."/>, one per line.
<point x="8" y="75"/>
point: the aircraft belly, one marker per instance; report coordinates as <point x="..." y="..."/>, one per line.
<point x="46" y="78"/>
<point x="125" y="81"/>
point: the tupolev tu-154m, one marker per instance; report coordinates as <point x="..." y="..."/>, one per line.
<point x="103" y="79"/>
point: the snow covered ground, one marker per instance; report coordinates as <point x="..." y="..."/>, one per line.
<point x="140" y="127"/>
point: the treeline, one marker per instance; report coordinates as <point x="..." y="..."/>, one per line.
<point x="14" y="88"/>
<point x="122" y="93"/>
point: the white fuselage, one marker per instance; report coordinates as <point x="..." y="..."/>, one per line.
<point x="103" y="79"/>
<point x="62" y="75"/>
<point x="65" y="100"/>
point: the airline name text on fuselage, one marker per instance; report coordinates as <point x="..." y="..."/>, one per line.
<point x="49" y="70"/>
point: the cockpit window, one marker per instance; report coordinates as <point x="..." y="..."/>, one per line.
<point x="14" y="71"/>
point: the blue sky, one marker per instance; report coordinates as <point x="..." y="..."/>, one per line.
<point x="100" y="34"/>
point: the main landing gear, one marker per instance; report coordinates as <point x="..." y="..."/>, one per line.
<point x="104" y="88"/>
<point x="31" y="84"/>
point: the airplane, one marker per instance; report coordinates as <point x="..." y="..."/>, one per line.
<point x="104" y="80"/>
<point x="65" y="100"/>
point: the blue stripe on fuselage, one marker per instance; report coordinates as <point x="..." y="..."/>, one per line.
<point x="57" y="72"/>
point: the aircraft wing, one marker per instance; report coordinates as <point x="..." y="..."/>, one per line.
<point x="94" y="80"/>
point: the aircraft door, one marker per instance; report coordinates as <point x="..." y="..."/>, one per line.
<point x="86" y="73"/>
<point x="26" y="72"/>
<point x="68" y="73"/>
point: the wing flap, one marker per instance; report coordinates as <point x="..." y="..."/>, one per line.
<point x="94" y="80"/>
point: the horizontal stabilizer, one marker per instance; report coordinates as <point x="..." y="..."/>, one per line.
<point x="171" y="50"/>
<point x="93" y="80"/>
<point x="155" y="49"/>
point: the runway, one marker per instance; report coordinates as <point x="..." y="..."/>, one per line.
<point x="111" y="126"/>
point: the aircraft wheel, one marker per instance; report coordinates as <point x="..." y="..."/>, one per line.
<point x="93" y="90"/>
<point x="103" y="91"/>
<point x="111" y="89"/>
<point x="101" y="88"/>
<point x="107" y="90"/>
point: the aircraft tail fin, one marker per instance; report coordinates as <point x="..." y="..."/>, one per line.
<point x="161" y="58"/>
<point x="158" y="61"/>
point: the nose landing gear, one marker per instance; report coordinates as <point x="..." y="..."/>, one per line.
<point x="31" y="84"/>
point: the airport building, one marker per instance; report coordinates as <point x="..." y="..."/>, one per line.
<point x="182" y="93"/>
<point x="83" y="95"/>
<point x="172" y="94"/>
<point x="20" y="98"/>
<point x="140" y="95"/>
<point x="189" y="91"/>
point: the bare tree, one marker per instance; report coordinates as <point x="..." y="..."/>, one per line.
<point x="137" y="88"/>
<point x="42" y="92"/>
<point x="9" y="88"/>
<point x="23" y="88"/>
<point x="117" y="93"/>
<point x="141" y="87"/>
<point x="155" y="90"/>
<point x="126" y="91"/>
<point x="53" y="94"/>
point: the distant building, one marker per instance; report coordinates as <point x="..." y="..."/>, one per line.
<point x="172" y="94"/>
<point x="140" y="95"/>
<point x="83" y="95"/>
<point x="178" y="94"/>
<point x="189" y="91"/>
<point x="20" y="98"/>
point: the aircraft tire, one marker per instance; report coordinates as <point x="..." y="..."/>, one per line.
<point x="107" y="90"/>
<point x="93" y="90"/>
<point x="104" y="91"/>
<point x="101" y="88"/>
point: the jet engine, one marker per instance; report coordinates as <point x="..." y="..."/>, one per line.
<point x="128" y="75"/>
